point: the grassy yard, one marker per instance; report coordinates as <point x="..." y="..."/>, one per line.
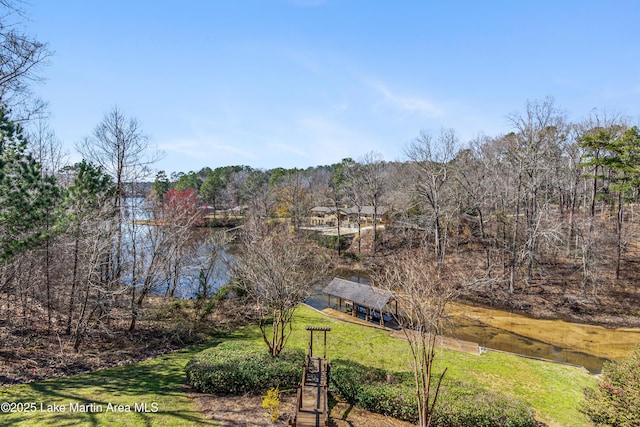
<point x="552" y="390"/>
<point x="153" y="382"/>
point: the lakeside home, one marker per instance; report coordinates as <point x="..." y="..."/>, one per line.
<point x="328" y="216"/>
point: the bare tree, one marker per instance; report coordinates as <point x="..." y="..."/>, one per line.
<point x="277" y="272"/>
<point x="401" y="201"/>
<point x="21" y="57"/>
<point x="258" y="195"/>
<point x="422" y="291"/>
<point x="120" y="148"/>
<point x="432" y="156"/>
<point x="354" y="189"/>
<point x="155" y="247"/>
<point x="539" y="133"/>
<point x="471" y="174"/>
<point x="84" y="203"/>
<point x="47" y="149"/>
<point x="292" y="193"/>
<point x="211" y="265"/>
<point x="570" y="180"/>
<point x="93" y="294"/>
<point x="374" y="185"/>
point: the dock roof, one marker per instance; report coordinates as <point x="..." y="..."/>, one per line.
<point x="361" y="294"/>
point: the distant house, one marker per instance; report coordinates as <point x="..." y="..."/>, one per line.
<point x="326" y="216"/>
<point x="322" y="215"/>
<point x="366" y="213"/>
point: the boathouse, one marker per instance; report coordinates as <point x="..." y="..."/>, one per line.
<point x="364" y="301"/>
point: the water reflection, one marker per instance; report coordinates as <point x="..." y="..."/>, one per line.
<point x="559" y="341"/>
<point x="500" y="339"/>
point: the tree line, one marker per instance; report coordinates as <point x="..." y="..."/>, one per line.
<point x="82" y="247"/>
<point x="548" y="192"/>
<point x="72" y="244"/>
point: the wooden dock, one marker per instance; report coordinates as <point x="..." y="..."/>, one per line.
<point x="345" y="317"/>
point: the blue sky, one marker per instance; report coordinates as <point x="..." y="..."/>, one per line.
<point x="297" y="83"/>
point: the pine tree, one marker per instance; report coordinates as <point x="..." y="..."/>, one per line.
<point x="84" y="205"/>
<point x="27" y="196"/>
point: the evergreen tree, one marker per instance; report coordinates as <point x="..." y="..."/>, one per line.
<point x="26" y="194"/>
<point x="84" y="203"/>
<point x="161" y="185"/>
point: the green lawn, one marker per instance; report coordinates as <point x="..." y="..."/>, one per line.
<point x="552" y="390"/>
<point x="159" y="381"/>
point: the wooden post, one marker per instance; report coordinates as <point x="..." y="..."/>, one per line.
<point x="311" y="329"/>
<point x="329" y="300"/>
<point x="325" y="345"/>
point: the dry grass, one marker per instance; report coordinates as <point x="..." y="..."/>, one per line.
<point x="236" y="411"/>
<point x="246" y="411"/>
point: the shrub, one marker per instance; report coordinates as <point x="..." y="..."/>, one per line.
<point x="330" y="242"/>
<point x="467" y="405"/>
<point x="271" y="402"/>
<point x="241" y="368"/>
<point x="373" y="389"/>
<point x="616" y="399"/>
<point x="458" y="405"/>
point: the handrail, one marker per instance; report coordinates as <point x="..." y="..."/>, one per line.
<point x="323" y="387"/>
<point x="305" y="368"/>
<point x="325" y="410"/>
<point x="299" y="397"/>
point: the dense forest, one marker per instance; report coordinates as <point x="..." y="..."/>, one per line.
<point x="546" y="215"/>
<point x="549" y="203"/>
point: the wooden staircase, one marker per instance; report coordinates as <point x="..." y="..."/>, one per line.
<point x="312" y="403"/>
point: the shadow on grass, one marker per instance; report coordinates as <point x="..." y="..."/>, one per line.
<point x="160" y="380"/>
<point x="249" y="333"/>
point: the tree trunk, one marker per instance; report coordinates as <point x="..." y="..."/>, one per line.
<point x="74" y="280"/>
<point x="619" y="234"/>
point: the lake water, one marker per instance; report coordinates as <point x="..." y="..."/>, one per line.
<point x="559" y="341"/>
<point x="555" y="340"/>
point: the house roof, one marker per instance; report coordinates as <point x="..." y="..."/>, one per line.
<point x="364" y="295"/>
<point x="322" y="209"/>
<point x="364" y="210"/>
<point x="368" y="210"/>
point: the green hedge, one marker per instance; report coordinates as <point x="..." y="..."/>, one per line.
<point x="374" y="389"/>
<point x="393" y="394"/>
<point x="466" y="405"/>
<point x="616" y="399"/>
<point x="242" y="368"/>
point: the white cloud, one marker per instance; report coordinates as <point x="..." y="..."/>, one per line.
<point x="408" y="104"/>
<point x="289" y="149"/>
<point x="331" y="141"/>
<point x="203" y="148"/>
